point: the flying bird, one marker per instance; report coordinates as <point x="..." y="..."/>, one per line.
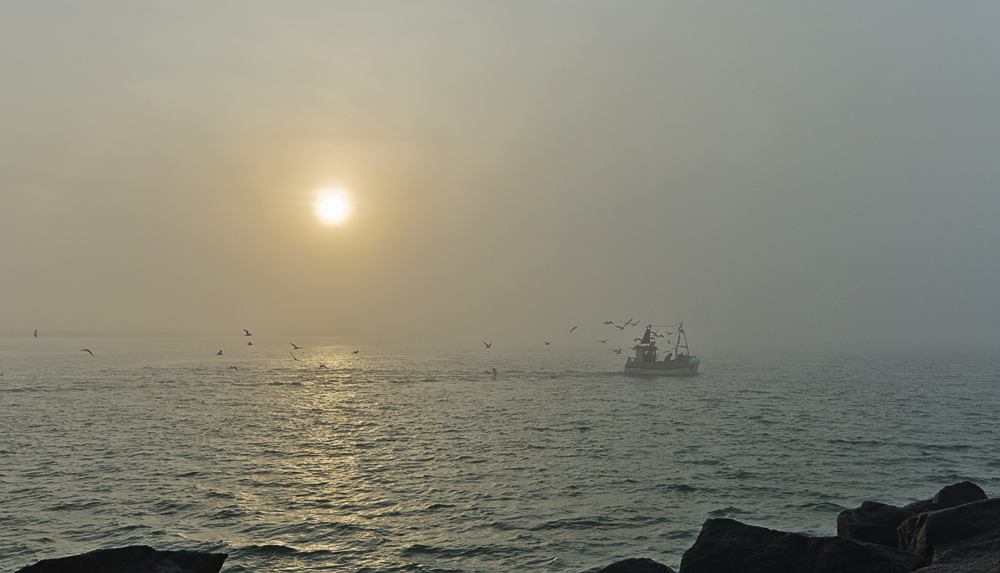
<point x="494" y="372"/>
<point x="602" y="341"/>
<point x="488" y="344"/>
<point x="322" y="366"/>
<point x="249" y="343"/>
<point x="293" y="356"/>
<point x="36" y="333"/>
<point x="546" y="342"/>
<point x="234" y="368"/>
<point x="355" y="352"/>
<point x="248" y="333"/>
<point x="619" y="351"/>
<point x="219" y="353"/>
<point x="621" y="327"/>
<point x="572" y="329"/>
<point x="87" y="350"/>
<point x="295" y="346"/>
<point x="609" y="322"/>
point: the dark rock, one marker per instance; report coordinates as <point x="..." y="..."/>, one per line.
<point x="951" y="496"/>
<point x="930" y="534"/>
<point x="978" y="558"/>
<point x="728" y="546"/>
<point x="873" y="522"/>
<point x="636" y="565"/>
<point x="878" y="522"/>
<point x="134" y="559"/>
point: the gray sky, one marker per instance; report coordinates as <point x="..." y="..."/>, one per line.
<point x="783" y="174"/>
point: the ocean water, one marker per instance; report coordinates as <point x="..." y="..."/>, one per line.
<point x="424" y="461"/>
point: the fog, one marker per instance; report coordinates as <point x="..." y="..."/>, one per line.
<point x="776" y="175"/>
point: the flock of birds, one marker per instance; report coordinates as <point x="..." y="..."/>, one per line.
<point x="621" y="327"/>
<point x="246" y="332"/>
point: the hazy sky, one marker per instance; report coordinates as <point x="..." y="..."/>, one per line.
<point x="820" y="174"/>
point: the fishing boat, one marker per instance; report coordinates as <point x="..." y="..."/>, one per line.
<point x="680" y="362"/>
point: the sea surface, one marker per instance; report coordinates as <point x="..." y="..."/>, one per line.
<point x="324" y="459"/>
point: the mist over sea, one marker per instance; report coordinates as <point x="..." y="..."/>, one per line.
<point x="415" y="460"/>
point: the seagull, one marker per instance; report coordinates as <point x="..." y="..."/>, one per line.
<point x="249" y="343"/>
<point x="602" y="341"/>
<point x="248" y="333"/>
<point x="488" y="344"/>
<point x="609" y="322"/>
<point x="87" y="350"/>
<point x="36" y="333"/>
<point x="620" y="327"/>
<point x="295" y="346"/>
<point x="629" y="322"/>
<point x="355" y="352"/>
<point x="494" y="372"/>
<point x="546" y="342"/>
<point x="219" y="353"/>
<point x="293" y="356"/>
<point x="322" y="365"/>
<point x="234" y="368"/>
<point x="619" y="351"/>
<point x="572" y="329"/>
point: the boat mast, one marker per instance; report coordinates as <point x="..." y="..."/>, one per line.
<point x="677" y="344"/>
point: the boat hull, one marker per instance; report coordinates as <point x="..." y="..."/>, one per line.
<point x="667" y="368"/>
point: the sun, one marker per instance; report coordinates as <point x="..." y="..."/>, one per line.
<point x="333" y="206"/>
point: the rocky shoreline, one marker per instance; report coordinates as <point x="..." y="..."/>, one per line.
<point x="956" y="531"/>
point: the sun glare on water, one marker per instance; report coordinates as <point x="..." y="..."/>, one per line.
<point x="333" y="206"/>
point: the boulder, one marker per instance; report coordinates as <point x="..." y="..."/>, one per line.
<point x="930" y="534"/>
<point x="978" y="558"/>
<point x="878" y="522"/>
<point x="636" y="565"/>
<point x="134" y="559"/>
<point x="727" y="546"/>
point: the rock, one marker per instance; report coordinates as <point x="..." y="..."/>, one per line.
<point x="728" y="546"/>
<point x="134" y="559"/>
<point x="951" y="496"/>
<point x="877" y="522"/>
<point x="978" y="558"/>
<point x="873" y="522"/>
<point x="930" y="534"/>
<point x="635" y="565"/>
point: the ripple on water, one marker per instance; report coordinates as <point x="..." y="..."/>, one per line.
<point x="413" y="462"/>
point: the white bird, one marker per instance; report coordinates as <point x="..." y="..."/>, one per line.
<point x="87" y="350"/>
